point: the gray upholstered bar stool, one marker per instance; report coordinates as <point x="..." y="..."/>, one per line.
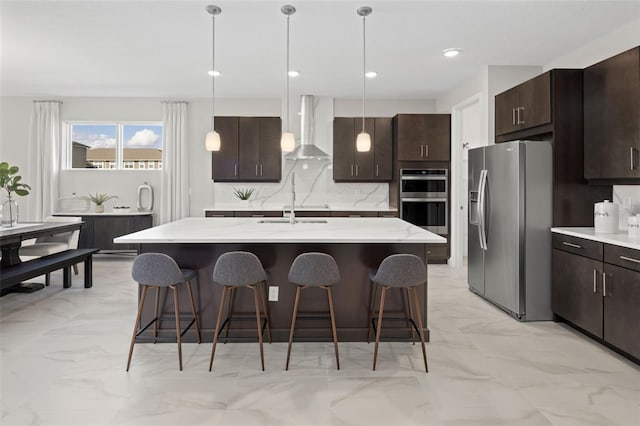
<point x="240" y="269"/>
<point x="399" y="271"/>
<point x="158" y="270"/>
<point x="314" y="270"/>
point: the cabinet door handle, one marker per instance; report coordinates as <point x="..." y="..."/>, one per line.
<point x="604" y="284"/>
<point x="235" y="169"/>
<point x="630" y="259"/>
<point x="571" y="245"/>
<point x="377" y="170"/>
<point x="260" y="169"/>
<point x="631" y="151"/>
<point x="595" y="281"/>
<point x="256" y="169"/>
<point x="352" y="170"/>
<point x="421" y="150"/>
<point x="426" y="150"/>
<point x="519" y="120"/>
<point x="513" y="116"/>
<point x="356" y="170"/>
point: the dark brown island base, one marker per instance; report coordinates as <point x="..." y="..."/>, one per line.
<point x="358" y="246"/>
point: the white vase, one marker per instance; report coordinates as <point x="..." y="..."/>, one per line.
<point x="99" y="208"/>
<point x="9" y="213"/>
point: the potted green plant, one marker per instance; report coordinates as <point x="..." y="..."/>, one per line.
<point x="100" y="198"/>
<point x="10" y="182"/>
<point x="243" y="193"/>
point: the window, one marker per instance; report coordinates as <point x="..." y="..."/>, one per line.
<point x="114" y="146"/>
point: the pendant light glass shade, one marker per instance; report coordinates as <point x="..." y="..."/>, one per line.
<point x="212" y="140"/>
<point x="288" y="142"/>
<point x="288" y="139"/>
<point x="363" y="141"/>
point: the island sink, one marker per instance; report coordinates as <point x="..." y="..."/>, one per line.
<point x="297" y="221"/>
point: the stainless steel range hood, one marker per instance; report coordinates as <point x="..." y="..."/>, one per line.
<point x="307" y="150"/>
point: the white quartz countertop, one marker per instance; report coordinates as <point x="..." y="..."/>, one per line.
<point x="106" y="213"/>
<point x="250" y="230"/>
<point x="620" y="239"/>
<point x="249" y="207"/>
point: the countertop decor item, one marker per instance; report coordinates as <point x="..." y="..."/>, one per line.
<point x="10" y="182"/>
<point x="634" y="226"/>
<point x="243" y="193"/>
<point x="100" y="198"/>
<point x="605" y="217"/>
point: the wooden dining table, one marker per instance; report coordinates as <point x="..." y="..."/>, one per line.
<point x="11" y="238"/>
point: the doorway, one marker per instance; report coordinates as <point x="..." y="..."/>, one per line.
<point x="467" y="130"/>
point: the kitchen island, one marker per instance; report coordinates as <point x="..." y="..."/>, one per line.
<point x="357" y="244"/>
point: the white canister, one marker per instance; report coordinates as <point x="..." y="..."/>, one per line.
<point x="605" y="217"/>
<point x="634" y="226"/>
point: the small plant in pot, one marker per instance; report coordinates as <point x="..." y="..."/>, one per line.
<point x="99" y="198"/>
<point x="243" y="193"/>
<point x="10" y="182"/>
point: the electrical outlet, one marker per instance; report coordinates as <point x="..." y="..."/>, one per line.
<point x="273" y="293"/>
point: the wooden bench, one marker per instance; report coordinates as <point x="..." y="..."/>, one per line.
<point x="13" y="275"/>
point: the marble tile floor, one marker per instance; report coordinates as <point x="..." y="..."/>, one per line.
<point x="63" y="356"/>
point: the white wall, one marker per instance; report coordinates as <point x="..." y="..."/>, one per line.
<point x="610" y="44"/>
<point x="382" y="108"/>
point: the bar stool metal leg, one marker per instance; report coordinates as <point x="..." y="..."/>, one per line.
<point x="155" y="315"/>
<point x="379" y="328"/>
<point x="265" y="306"/>
<point x="409" y="309"/>
<point x="193" y="310"/>
<point x="258" y="321"/>
<point x="372" y="308"/>
<point x="218" y="324"/>
<point x="137" y="324"/>
<point x="232" y="300"/>
<point x="178" y="333"/>
<point x="293" y="324"/>
<point x="333" y="325"/>
<point x="420" y="331"/>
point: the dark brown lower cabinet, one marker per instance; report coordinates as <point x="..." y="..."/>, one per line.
<point x="99" y="231"/>
<point x="600" y="293"/>
<point x="622" y="309"/>
<point x="576" y="295"/>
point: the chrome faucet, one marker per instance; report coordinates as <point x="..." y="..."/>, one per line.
<point x="292" y="215"/>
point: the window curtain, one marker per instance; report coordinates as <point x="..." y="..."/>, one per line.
<point x="43" y="170"/>
<point x="175" y="173"/>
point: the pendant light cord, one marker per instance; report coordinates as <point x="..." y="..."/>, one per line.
<point x="213" y="69"/>
<point x="364" y="56"/>
<point x="287" y="76"/>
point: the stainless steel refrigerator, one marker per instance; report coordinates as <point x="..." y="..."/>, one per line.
<point x="510" y="213"/>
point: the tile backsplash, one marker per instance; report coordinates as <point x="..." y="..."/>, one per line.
<point x="314" y="186"/>
<point x="628" y="199"/>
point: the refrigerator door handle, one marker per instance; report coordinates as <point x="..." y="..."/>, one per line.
<point x="482" y="188"/>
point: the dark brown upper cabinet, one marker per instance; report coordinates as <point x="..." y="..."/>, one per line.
<point x="250" y="150"/>
<point x="349" y="165"/>
<point x="612" y="119"/>
<point x="524" y="106"/>
<point x="423" y="137"/>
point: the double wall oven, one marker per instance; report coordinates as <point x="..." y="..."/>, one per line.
<point x="423" y="198"/>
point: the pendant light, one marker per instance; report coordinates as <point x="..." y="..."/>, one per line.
<point x="212" y="140"/>
<point x="288" y="140"/>
<point x="363" y="141"/>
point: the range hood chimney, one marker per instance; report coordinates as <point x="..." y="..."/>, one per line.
<point x="307" y="150"/>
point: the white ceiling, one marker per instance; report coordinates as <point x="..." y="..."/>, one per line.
<point x="163" y="48"/>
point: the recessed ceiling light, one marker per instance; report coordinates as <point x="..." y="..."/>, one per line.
<point x="371" y="74"/>
<point x="214" y="73"/>
<point x="451" y="53"/>
<point x="293" y="73"/>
